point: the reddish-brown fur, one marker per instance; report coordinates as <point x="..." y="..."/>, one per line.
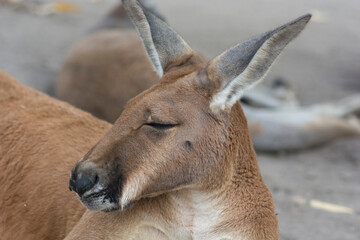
<point x="41" y="139"/>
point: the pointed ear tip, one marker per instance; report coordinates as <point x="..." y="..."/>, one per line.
<point x="305" y="18"/>
<point x="300" y="22"/>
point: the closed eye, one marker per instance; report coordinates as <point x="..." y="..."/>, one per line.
<point x="160" y="126"/>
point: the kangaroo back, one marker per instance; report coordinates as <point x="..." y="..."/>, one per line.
<point x="41" y="138"/>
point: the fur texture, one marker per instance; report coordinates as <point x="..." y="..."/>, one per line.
<point x="41" y="139"/>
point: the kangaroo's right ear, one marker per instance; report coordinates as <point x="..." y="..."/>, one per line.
<point x="163" y="45"/>
<point x="238" y="69"/>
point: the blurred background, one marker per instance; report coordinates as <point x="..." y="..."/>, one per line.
<point x="316" y="191"/>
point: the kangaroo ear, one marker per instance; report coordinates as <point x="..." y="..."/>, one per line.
<point x="245" y="65"/>
<point x="162" y="44"/>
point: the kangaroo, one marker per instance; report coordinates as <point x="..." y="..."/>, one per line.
<point x="295" y="128"/>
<point x="41" y="139"/>
<point x="179" y="162"/>
<point x="278" y="122"/>
<point x="108" y="67"/>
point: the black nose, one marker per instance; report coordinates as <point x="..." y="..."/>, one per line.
<point x="83" y="183"/>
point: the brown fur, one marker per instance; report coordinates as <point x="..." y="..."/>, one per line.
<point x="104" y="71"/>
<point x="41" y="139"/>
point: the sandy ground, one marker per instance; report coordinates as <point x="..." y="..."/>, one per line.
<point x="323" y="64"/>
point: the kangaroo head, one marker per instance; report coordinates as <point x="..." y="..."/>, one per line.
<point x="179" y="133"/>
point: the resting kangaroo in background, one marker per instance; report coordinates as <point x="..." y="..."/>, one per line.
<point x="294" y="128"/>
<point x="109" y="67"/>
<point x="178" y="162"/>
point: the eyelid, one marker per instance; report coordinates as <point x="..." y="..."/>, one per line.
<point x="155" y="120"/>
<point x="160" y="126"/>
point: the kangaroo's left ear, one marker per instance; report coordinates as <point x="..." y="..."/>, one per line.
<point x="243" y="66"/>
<point x="164" y="47"/>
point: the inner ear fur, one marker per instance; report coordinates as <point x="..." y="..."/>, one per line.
<point x="163" y="45"/>
<point x="238" y="69"/>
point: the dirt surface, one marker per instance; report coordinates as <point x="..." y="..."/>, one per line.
<point x="323" y="64"/>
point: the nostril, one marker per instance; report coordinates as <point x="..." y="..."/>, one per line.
<point x="84" y="183"/>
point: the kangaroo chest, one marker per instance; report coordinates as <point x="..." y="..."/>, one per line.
<point x="195" y="219"/>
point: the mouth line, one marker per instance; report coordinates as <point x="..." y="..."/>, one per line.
<point x="96" y="190"/>
<point x="104" y="200"/>
<point x="93" y="195"/>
